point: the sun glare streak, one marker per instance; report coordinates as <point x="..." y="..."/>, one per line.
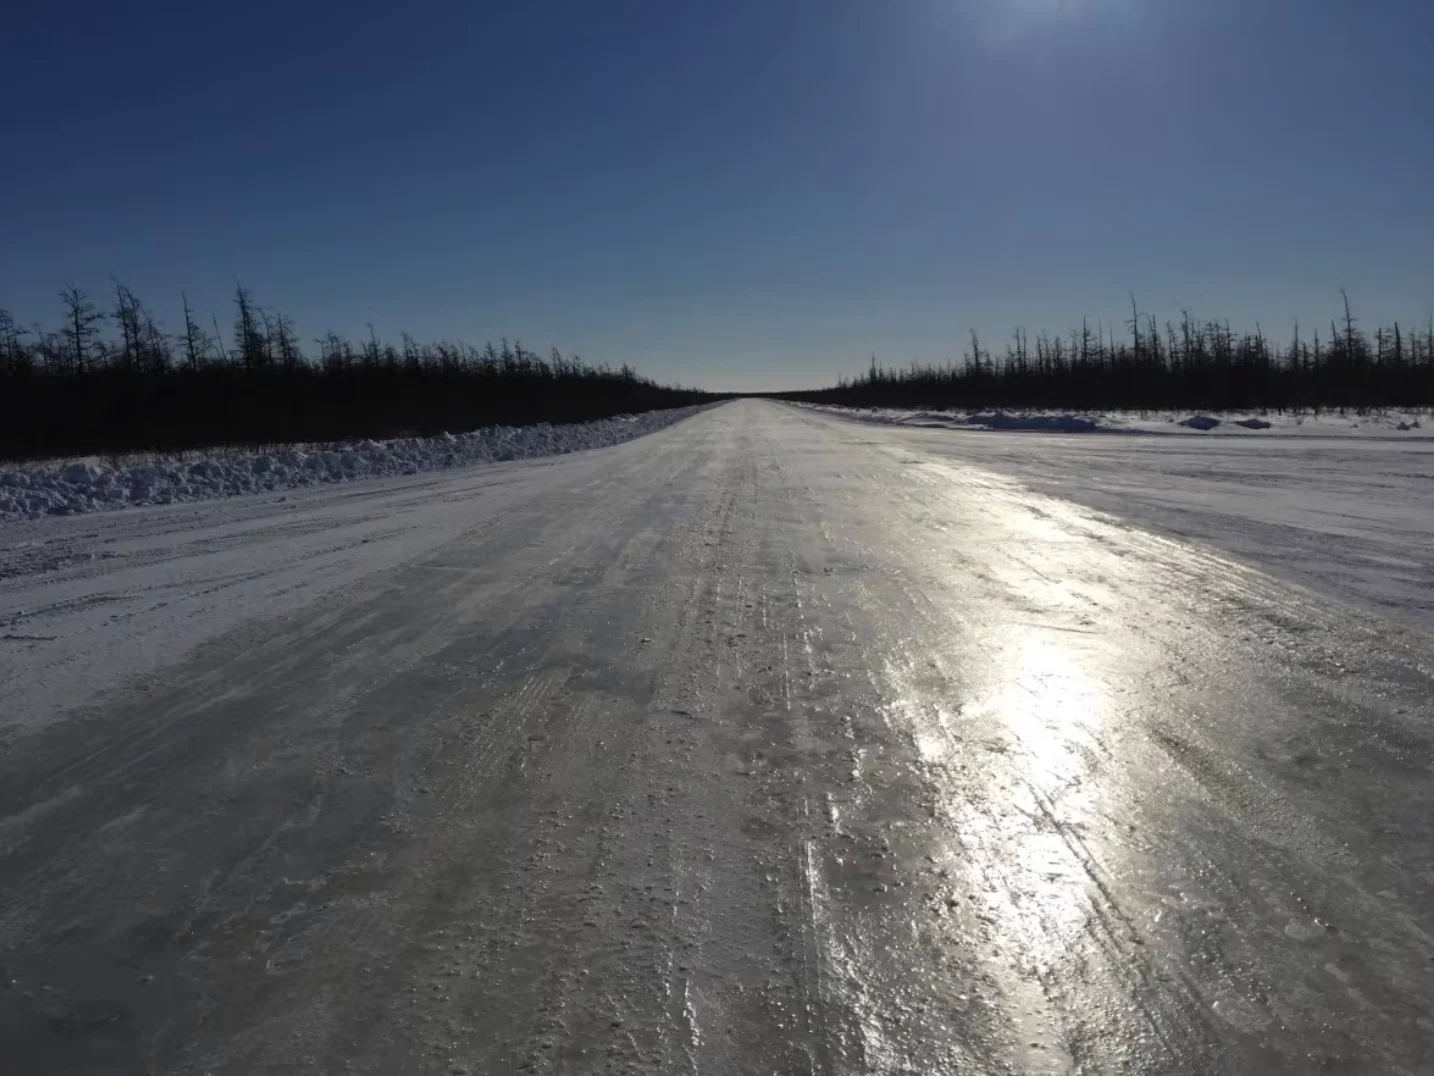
<point x="1002" y="22"/>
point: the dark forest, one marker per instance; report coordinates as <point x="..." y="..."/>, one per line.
<point x="1193" y="364"/>
<point x="108" y="378"/>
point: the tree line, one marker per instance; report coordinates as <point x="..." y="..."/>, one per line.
<point x="109" y="378"/>
<point x="1193" y="364"/>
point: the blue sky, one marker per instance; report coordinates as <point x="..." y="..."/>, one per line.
<point x="739" y="194"/>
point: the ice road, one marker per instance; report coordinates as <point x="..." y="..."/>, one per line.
<point x="771" y="741"/>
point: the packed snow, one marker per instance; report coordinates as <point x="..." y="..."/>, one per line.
<point x="62" y="488"/>
<point x="1381" y="423"/>
<point x="1345" y="510"/>
<point x="88" y="601"/>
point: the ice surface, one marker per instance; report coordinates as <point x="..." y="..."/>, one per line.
<point x="1338" y="503"/>
<point x="65" y="488"/>
<point x="89" y="602"/>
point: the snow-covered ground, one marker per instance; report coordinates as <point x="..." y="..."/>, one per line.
<point x="482" y="769"/>
<point x="81" y="486"/>
<point x="87" y="601"/>
<point x="1346" y="509"/>
<point x="1404" y="424"/>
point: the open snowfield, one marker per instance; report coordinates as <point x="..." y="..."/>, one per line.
<point x="767" y="742"/>
<point x="1406" y="425"/>
<point x="1342" y="504"/>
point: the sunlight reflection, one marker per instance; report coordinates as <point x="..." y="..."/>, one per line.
<point x="1024" y="739"/>
<point x="1044" y="710"/>
<point x="1050" y="705"/>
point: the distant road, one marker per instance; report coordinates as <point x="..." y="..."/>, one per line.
<point x="768" y="742"/>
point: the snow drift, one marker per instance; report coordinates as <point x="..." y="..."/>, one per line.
<point x="1060" y="424"/>
<point x="83" y="486"/>
<point x="1200" y="422"/>
<point x="1382" y="423"/>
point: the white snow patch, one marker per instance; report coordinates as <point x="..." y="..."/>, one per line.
<point x="61" y="488"/>
<point x="88" y="603"/>
<point x="1383" y="423"/>
<point x="1049" y="422"/>
<point x="1061" y="424"/>
<point x="1343" y="509"/>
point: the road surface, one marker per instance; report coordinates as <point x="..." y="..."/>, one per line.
<point x="769" y="742"/>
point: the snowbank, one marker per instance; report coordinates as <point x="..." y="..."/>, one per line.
<point x="1036" y="421"/>
<point x="83" y="487"/>
<point x="1388" y="423"/>
<point x="1061" y="424"/>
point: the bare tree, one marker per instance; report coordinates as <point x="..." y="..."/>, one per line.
<point x="81" y="321"/>
<point x="371" y="349"/>
<point x="15" y="358"/>
<point x="196" y="341"/>
<point x="219" y="339"/>
<point x="286" y="342"/>
<point x="249" y="343"/>
<point x="1349" y="338"/>
<point x="156" y="354"/>
<point x="128" y="314"/>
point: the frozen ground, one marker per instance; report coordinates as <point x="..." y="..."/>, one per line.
<point x="1406" y="425"/>
<point x="768" y="743"/>
<point x="90" y="601"/>
<point x="1351" y="516"/>
<point x="64" y="488"/>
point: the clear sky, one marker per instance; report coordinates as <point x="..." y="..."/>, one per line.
<point x="736" y="193"/>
